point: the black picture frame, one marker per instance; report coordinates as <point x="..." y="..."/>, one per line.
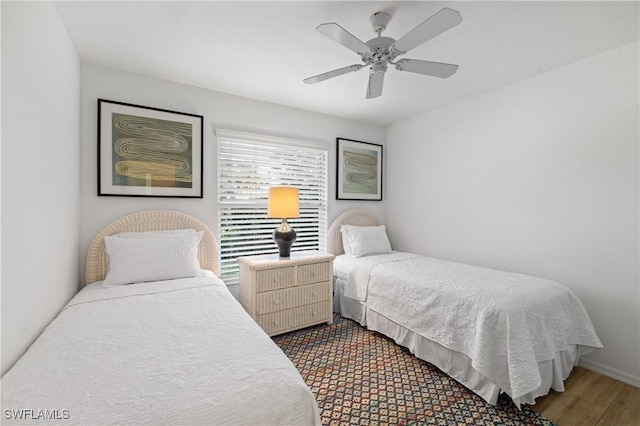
<point x="149" y="152"/>
<point x="359" y="170"/>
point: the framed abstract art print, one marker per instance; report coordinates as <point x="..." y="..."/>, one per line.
<point x="148" y="152"/>
<point x="359" y="170"/>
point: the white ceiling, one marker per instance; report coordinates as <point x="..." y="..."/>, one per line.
<point x="263" y="50"/>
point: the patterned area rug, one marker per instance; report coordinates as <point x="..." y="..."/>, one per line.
<point x="360" y="377"/>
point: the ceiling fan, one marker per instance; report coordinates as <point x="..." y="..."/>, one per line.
<point x="381" y="51"/>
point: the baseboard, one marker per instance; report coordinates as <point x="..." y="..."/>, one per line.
<point x="610" y="372"/>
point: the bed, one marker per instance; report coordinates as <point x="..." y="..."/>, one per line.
<point x="492" y="331"/>
<point x="172" y="351"/>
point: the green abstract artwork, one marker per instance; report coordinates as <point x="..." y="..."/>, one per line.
<point x="360" y="171"/>
<point x="151" y="152"/>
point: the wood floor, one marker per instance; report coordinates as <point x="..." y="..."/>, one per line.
<point x="592" y="399"/>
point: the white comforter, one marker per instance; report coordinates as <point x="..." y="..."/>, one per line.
<point x="171" y="352"/>
<point x="504" y="322"/>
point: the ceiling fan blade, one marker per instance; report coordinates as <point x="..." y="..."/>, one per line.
<point x="338" y="34"/>
<point x="327" y="75"/>
<point x="435" y="69"/>
<point x="376" y="79"/>
<point x="437" y="24"/>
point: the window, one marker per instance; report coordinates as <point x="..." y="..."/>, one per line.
<point x="248" y="165"/>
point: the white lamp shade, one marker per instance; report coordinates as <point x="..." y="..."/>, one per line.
<point x="284" y="202"/>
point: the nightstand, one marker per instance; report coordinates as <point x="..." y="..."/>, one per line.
<point x="282" y="295"/>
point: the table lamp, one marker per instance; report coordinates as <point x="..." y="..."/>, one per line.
<point x="284" y="203"/>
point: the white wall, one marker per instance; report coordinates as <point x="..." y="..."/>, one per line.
<point x="40" y="171"/>
<point x="539" y="177"/>
<point x="220" y="110"/>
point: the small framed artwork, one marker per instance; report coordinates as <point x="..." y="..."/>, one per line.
<point x="359" y="170"/>
<point x="148" y="152"/>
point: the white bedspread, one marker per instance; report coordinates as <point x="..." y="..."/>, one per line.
<point x="171" y="352"/>
<point x="504" y="322"/>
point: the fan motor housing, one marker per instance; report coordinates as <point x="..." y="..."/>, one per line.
<point x="380" y="42"/>
<point x="380" y="49"/>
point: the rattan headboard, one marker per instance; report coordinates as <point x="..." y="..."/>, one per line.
<point x="350" y="217"/>
<point x="150" y="220"/>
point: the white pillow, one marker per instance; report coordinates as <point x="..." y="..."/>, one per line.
<point x="134" y="260"/>
<point x="154" y="234"/>
<point x="346" y="244"/>
<point x="365" y="240"/>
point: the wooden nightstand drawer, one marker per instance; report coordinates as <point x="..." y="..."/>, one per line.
<point x="273" y="279"/>
<point x="292" y="319"/>
<point x="314" y="273"/>
<point x="273" y="301"/>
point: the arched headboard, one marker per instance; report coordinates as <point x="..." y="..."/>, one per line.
<point x="350" y="217"/>
<point x="150" y="220"/>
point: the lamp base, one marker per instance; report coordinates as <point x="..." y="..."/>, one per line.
<point x="284" y="236"/>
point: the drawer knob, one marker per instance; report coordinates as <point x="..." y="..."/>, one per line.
<point x="314" y="294"/>
<point x="313" y="313"/>
<point x="276" y="301"/>
<point x="276" y="279"/>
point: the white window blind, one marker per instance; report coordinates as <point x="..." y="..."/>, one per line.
<point x="248" y="165"/>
